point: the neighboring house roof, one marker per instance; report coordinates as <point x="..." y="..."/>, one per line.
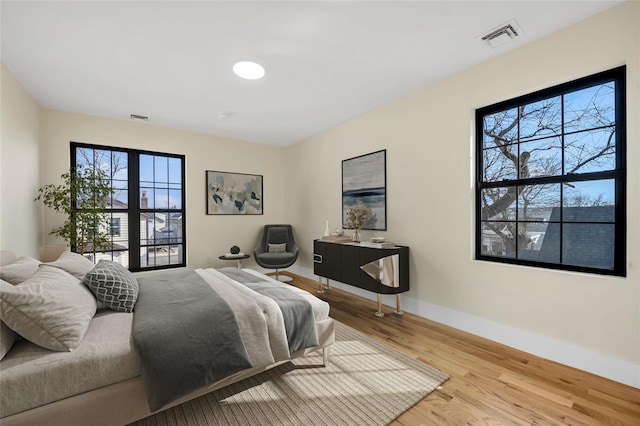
<point x="588" y="237"/>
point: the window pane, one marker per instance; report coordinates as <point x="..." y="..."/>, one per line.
<point x="161" y="198"/>
<point x="590" y="201"/>
<point x="531" y="241"/>
<point x="84" y="157"/>
<point x="604" y="214"/>
<point x="541" y="158"/>
<point x="161" y="169"/>
<point x="146" y="168"/>
<point x="175" y="170"/>
<point x="541" y="119"/>
<point x="120" y="198"/>
<point x="120" y="166"/>
<point x="500" y="128"/>
<point x="499" y="203"/>
<point x="498" y="239"/>
<point x="589" y="245"/>
<point x="537" y="202"/>
<point x="590" y="108"/>
<point x="498" y="166"/>
<point x="146" y="228"/>
<point x="175" y="199"/>
<point x="102" y="160"/>
<point x="592" y="151"/>
<point x="147" y="198"/>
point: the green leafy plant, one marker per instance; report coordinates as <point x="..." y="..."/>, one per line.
<point x="82" y="198"/>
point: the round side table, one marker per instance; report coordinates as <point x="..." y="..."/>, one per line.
<point x="234" y="257"/>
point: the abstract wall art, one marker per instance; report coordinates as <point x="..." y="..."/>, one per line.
<point x="233" y="193"/>
<point x="364" y="178"/>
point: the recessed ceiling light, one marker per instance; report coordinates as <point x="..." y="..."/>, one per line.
<point x="249" y="70"/>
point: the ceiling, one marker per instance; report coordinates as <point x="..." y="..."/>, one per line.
<point x="326" y="62"/>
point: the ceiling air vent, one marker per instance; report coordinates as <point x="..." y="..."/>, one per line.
<point x="503" y="34"/>
<point x="139" y="117"/>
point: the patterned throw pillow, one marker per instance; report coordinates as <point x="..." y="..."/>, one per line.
<point x="113" y="285"/>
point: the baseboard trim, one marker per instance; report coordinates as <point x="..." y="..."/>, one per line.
<point x="573" y="356"/>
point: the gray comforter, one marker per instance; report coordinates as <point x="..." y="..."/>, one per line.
<point x="195" y="328"/>
<point x="297" y="313"/>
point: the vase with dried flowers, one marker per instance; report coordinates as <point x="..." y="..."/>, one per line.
<point x="357" y="215"/>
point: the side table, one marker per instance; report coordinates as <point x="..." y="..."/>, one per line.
<point x="238" y="257"/>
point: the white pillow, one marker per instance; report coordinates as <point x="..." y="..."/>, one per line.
<point x="73" y="263"/>
<point x="51" y="309"/>
<point x="19" y="270"/>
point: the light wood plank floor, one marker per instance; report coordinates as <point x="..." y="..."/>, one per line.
<point x="490" y="384"/>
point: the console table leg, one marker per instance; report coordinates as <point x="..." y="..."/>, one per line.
<point x="379" y="312"/>
<point x="323" y="287"/>
<point x="398" y="311"/>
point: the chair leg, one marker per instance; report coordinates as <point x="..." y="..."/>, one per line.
<point x="277" y="275"/>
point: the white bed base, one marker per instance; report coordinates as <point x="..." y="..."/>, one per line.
<point x="125" y="402"/>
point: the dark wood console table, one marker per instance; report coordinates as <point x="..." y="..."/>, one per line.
<point x="380" y="270"/>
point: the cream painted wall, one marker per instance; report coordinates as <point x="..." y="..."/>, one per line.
<point x="428" y="136"/>
<point x="208" y="236"/>
<point x="19" y="147"/>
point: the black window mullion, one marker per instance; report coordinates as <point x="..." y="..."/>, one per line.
<point x="134" y="211"/>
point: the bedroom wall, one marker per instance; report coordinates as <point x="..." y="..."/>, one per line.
<point x="208" y="236"/>
<point x="19" y="168"/>
<point x="588" y="321"/>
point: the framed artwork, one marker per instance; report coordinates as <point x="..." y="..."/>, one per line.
<point x="364" y="178"/>
<point x="233" y="193"/>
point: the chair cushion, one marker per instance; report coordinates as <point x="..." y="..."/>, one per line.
<point x="276" y="260"/>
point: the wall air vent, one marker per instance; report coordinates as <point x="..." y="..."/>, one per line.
<point x="139" y="117"/>
<point x="503" y="34"/>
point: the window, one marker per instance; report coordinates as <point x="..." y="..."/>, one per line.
<point x="146" y="211"/>
<point x="115" y="226"/>
<point x="551" y="179"/>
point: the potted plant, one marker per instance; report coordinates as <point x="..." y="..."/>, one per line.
<point x="357" y="215"/>
<point x="82" y="197"/>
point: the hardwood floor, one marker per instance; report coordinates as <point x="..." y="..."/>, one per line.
<point x="490" y="384"/>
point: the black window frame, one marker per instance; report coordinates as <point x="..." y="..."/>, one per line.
<point x="617" y="75"/>
<point x="134" y="209"/>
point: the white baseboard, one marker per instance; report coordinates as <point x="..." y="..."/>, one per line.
<point x="583" y="359"/>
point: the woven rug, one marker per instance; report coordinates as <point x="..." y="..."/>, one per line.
<point x="366" y="383"/>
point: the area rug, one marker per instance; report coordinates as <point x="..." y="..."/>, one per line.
<point x="366" y="383"/>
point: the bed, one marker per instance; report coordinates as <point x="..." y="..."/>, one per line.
<point x="113" y="376"/>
